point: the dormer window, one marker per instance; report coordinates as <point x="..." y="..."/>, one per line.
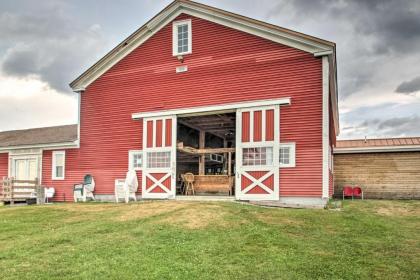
<point x="181" y="39"/>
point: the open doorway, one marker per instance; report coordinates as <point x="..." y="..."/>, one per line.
<point x="206" y="154"/>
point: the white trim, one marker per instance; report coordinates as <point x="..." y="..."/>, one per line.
<point x="37" y="155"/>
<point x="325" y="127"/>
<point x="209" y="109"/>
<point x="54" y="165"/>
<point x="263" y="124"/>
<point x="52" y="146"/>
<point x="292" y="154"/>
<point x="378" y="149"/>
<point x="323" y="53"/>
<point x="79" y="104"/>
<point x="131" y="154"/>
<point x="291" y="39"/>
<point x="175" y="25"/>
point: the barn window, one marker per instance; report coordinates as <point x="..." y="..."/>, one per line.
<point x="182" y="37"/>
<point x="287" y="155"/>
<point x="58" y="165"/>
<point x="158" y="159"/>
<point x="135" y="160"/>
<point x="257" y="156"/>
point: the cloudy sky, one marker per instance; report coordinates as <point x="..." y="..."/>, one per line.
<point x="46" y="44"/>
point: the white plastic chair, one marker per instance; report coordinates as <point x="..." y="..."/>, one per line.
<point x="84" y="190"/>
<point x="121" y="192"/>
<point x="131" y="184"/>
<point x="89" y="189"/>
<point x="49" y="193"/>
<point x="127" y="188"/>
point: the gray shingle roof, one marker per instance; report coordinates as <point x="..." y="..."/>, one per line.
<point x="36" y="136"/>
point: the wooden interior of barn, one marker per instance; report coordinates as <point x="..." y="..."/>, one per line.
<point x="206" y="154"/>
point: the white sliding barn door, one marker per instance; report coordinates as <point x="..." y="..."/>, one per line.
<point x="159" y="157"/>
<point x="257" y="153"/>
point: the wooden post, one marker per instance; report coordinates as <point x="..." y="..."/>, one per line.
<point x="225" y="161"/>
<point x="40" y="193"/>
<point x="229" y="164"/>
<point x="202" y="159"/>
<point x="12" y="200"/>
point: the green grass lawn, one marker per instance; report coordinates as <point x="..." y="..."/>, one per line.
<point x="210" y="240"/>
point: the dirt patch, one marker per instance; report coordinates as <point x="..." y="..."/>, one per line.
<point x="149" y="209"/>
<point x="195" y="216"/>
<point x="276" y="220"/>
<point x="398" y="211"/>
<point x="87" y="208"/>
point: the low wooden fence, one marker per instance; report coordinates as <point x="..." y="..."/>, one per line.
<point x="21" y="190"/>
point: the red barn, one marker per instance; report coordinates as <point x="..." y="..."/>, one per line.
<point x="248" y="107"/>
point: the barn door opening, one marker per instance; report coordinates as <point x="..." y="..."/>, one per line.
<point x="257" y="153"/>
<point x="159" y="153"/>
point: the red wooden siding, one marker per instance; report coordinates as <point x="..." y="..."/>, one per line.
<point x="245" y="126"/>
<point x="226" y="66"/>
<point x="159" y="134"/>
<point x="257" y="126"/>
<point x="4" y="165"/>
<point x="72" y="175"/>
<point x="269" y="125"/>
<point x="150" y="134"/>
<point x="168" y="135"/>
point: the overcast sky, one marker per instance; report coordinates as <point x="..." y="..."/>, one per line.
<point x="45" y="44"/>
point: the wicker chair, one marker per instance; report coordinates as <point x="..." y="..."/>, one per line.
<point x="189" y="183"/>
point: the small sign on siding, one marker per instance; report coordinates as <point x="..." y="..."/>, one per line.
<point x="183" y="68"/>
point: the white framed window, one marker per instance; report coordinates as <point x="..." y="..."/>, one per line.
<point x="181" y="37"/>
<point x="135" y="160"/>
<point x="158" y="159"/>
<point x="58" y="165"/>
<point x="287" y="155"/>
<point x="257" y="156"/>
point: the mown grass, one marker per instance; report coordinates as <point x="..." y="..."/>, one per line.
<point x="209" y="240"/>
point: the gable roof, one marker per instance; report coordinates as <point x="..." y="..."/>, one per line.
<point x="38" y="136"/>
<point x="311" y="44"/>
<point x="268" y="31"/>
<point x="378" y="145"/>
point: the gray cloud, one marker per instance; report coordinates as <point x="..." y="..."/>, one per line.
<point x="370" y="35"/>
<point x="397" y="126"/>
<point x="401" y="124"/>
<point x="49" y="44"/>
<point x="409" y="86"/>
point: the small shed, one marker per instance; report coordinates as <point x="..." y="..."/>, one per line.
<point x="386" y="168"/>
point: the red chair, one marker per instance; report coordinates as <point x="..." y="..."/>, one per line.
<point x="357" y="192"/>
<point x="347" y="191"/>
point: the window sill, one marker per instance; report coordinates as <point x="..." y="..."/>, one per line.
<point x="58" y="179"/>
<point x="287" y="166"/>
<point x="184" y="53"/>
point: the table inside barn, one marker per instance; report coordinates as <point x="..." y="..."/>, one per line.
<point x="212" y="184"/>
